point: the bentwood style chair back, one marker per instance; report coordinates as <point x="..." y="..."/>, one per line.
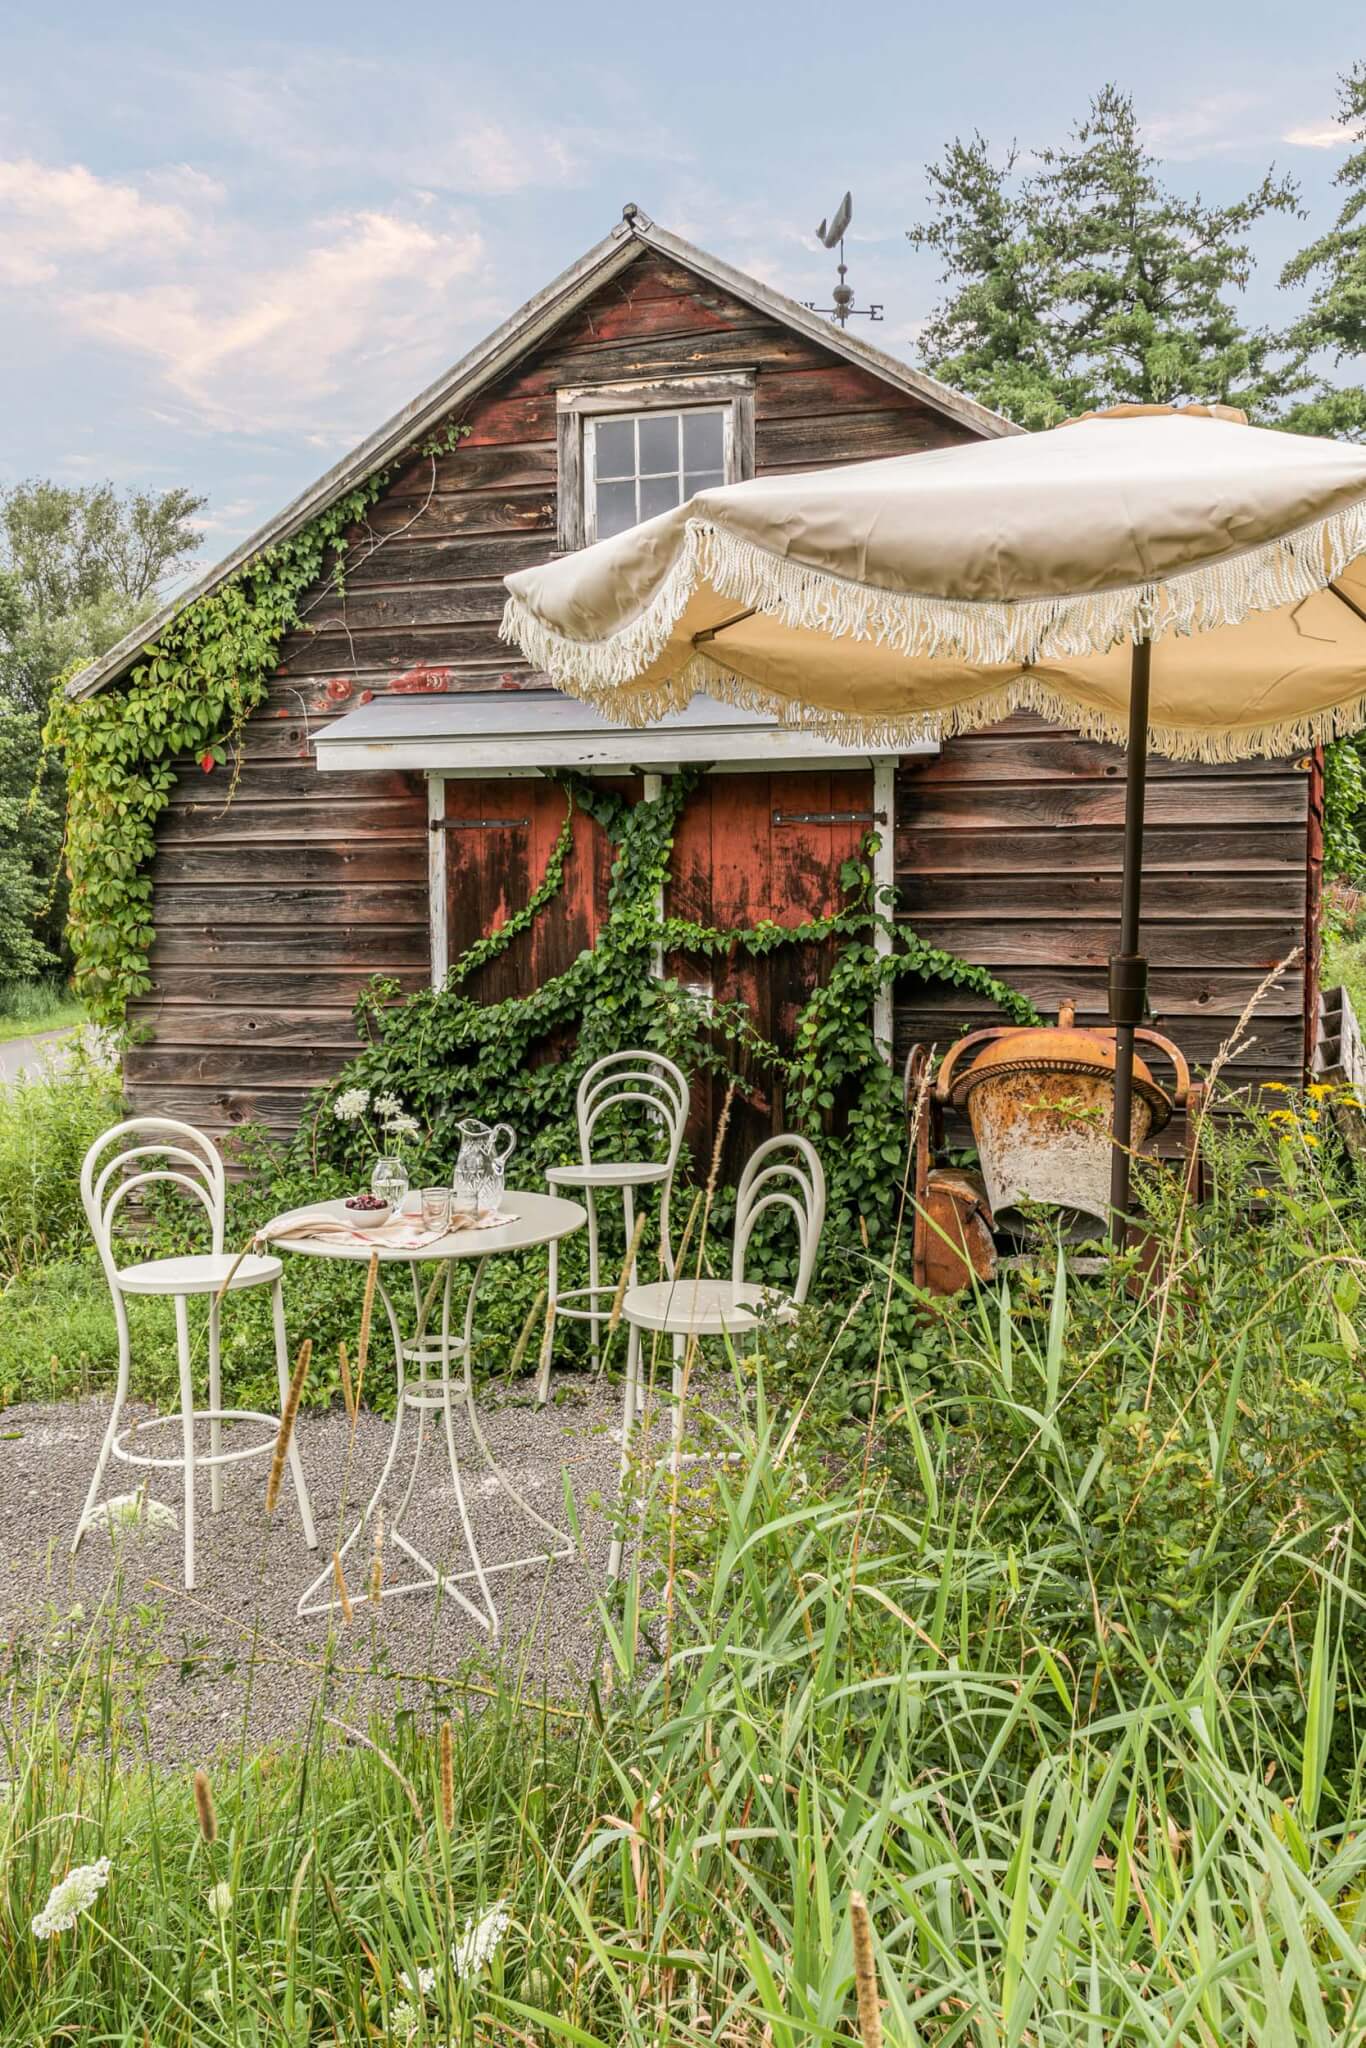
<point x="785" y="1175"/>
<point x="142" y="1153"/>
<point x="624" y="1089"/>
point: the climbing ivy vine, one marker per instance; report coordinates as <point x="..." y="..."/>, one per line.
<point x="193" y="691"/>
<point x="450" y="1056"/>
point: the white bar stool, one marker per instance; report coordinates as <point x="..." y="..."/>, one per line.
<point x="184" y="1156"/>
<point x="782" y="1173"/>
<point x="608" y="1088"/>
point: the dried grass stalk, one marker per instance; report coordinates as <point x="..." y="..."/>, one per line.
<point x="367" y="1310"/>
<point x="523" y="1344"/>
<point x="547" y="1340"/>
<point x="865" y="1973"/>
<point x="447" y="1779"/>
<point x="348" y="1391"/>
<point x="343" y="1590"/>
<point x="204" y="1807"/>
<point x="285" y="1433"/>
<point x="377" y="1561"/>
<point x="614" y="1320"/>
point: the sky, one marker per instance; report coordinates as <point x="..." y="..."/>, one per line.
<point x="233" y="241"/>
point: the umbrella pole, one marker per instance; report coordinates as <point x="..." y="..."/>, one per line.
<point x="1128" y="968"/>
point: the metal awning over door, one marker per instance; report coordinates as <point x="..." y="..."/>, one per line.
<point x="522" y="732"/>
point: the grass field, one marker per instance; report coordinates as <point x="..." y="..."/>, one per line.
<point x="28" y="1007"/>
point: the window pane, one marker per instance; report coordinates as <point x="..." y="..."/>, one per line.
<point x="708" y="480"/>
<point x="659" y="445"/>
<point x="616" y="508"/>
<point x="657" y="494"/>
<point x="615" y="447"/>
<point x="703" y="444"/>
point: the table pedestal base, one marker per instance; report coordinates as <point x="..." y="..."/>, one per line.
<point x="432" y="1390"/>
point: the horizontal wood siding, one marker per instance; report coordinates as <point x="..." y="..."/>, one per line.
<point x="1008" y="851"/>
<point x="273" y="907"/>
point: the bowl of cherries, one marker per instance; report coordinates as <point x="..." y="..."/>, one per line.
<point x="367" y="1211"/>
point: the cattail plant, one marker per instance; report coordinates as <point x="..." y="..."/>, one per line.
<point x="865" y="1973"/>
<point x="285" y="1434"/>
<point x="205" y="1810"/>
<point x="447" y="1778"/>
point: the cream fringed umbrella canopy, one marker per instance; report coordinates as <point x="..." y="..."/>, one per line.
<point x="1173" y="579"/>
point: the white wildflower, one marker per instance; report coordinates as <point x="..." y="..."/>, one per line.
<point x="403" y="2019"/>
<point x="76" y="1893"/>
<point x="351" y="1103"/>
<point x="421" y="1985"/>
<point x="402" y="1126"/>
<point x="479" y="1942"/>
<point x="387" y="1106"/>
<point x="132" y="1511"/>
<point x="220" y="1900"/>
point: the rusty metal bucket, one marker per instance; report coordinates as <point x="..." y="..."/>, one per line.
<point x="1041" y="1104"/>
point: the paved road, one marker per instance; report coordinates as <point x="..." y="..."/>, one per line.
<point x="18" y="1054"/>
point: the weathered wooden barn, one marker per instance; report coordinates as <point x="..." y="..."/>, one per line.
<point x="393" y="801"/>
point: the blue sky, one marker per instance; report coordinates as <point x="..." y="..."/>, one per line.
<point x="231" y="245"/>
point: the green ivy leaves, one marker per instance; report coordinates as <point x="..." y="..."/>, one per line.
<point x="192" y="693"/>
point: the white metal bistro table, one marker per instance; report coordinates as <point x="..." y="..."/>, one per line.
<point x="532" y="1220"/>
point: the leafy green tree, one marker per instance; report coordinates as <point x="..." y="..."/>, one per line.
<point x="1335" y="320"/>
<point x="78" y="567"/>
<point x="1076" y="278"/>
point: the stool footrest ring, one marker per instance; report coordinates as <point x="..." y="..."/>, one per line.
<point x="174" y="1420"/>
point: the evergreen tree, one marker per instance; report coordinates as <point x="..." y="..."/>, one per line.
<point x="1335" y="321"/>
<point x="1076" y="278"/>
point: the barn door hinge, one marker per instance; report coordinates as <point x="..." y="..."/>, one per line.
<point x="473" y="824"/>
<point x="829" y="817"/>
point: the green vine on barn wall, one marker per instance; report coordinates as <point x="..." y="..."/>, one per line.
<point x="449" y="1055"/>
<point x="191" y="694"/>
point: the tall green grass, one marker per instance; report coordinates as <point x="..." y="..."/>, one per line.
<point x="842" y="1692"/>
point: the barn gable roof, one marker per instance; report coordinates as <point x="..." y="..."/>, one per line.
<point x="499" y="352"/>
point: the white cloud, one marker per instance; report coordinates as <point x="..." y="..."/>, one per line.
<point x="1320" y="135"/>
<point x="1212" y="126"/>
<point x="273" y="347"/>
<point x="52" y="214"/>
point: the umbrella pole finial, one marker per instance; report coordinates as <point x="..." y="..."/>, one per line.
<point x="1128" y="968"/>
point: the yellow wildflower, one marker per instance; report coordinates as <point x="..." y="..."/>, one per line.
<point x="1281" y="1116"/>
<point x="1310" y="1139"/>
<point x="1318" y="1089"/>
<point x="1276" y="1087"/>
<point x="1261" y="1193"/>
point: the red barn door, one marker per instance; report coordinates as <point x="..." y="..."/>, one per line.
<point x="750" y="848"/>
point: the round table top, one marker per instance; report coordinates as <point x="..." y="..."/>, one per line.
<point x="532" y="1220"/>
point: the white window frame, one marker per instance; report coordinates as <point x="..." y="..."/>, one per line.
<point x="578" y="406"/>
<point x="591" y="423"/>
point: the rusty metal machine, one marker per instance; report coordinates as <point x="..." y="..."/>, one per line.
<point x="1040" y="1104"/>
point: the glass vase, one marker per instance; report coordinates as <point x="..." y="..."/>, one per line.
<point x="389" y="1180"/>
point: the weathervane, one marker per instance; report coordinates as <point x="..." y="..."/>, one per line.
<point x="832" y="233"/>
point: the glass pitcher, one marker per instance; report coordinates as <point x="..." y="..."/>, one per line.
<point x="478" y="1179"/>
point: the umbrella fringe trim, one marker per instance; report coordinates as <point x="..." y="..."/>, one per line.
<point x="880" y="733"/>
<point x="989" y="634"/>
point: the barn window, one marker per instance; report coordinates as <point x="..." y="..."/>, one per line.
<point x="632" y="450"/>
<point x="648" y="462"/>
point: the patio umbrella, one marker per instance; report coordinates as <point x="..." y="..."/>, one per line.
<point x="1169" y="579"/>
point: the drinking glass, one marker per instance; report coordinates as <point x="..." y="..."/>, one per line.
<point x="436" y="1208"/>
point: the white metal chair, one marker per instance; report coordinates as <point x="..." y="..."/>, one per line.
<point x="782" y="1173"/>
<point x="164" y="1150"/>
<point x="612" y="1085"/>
